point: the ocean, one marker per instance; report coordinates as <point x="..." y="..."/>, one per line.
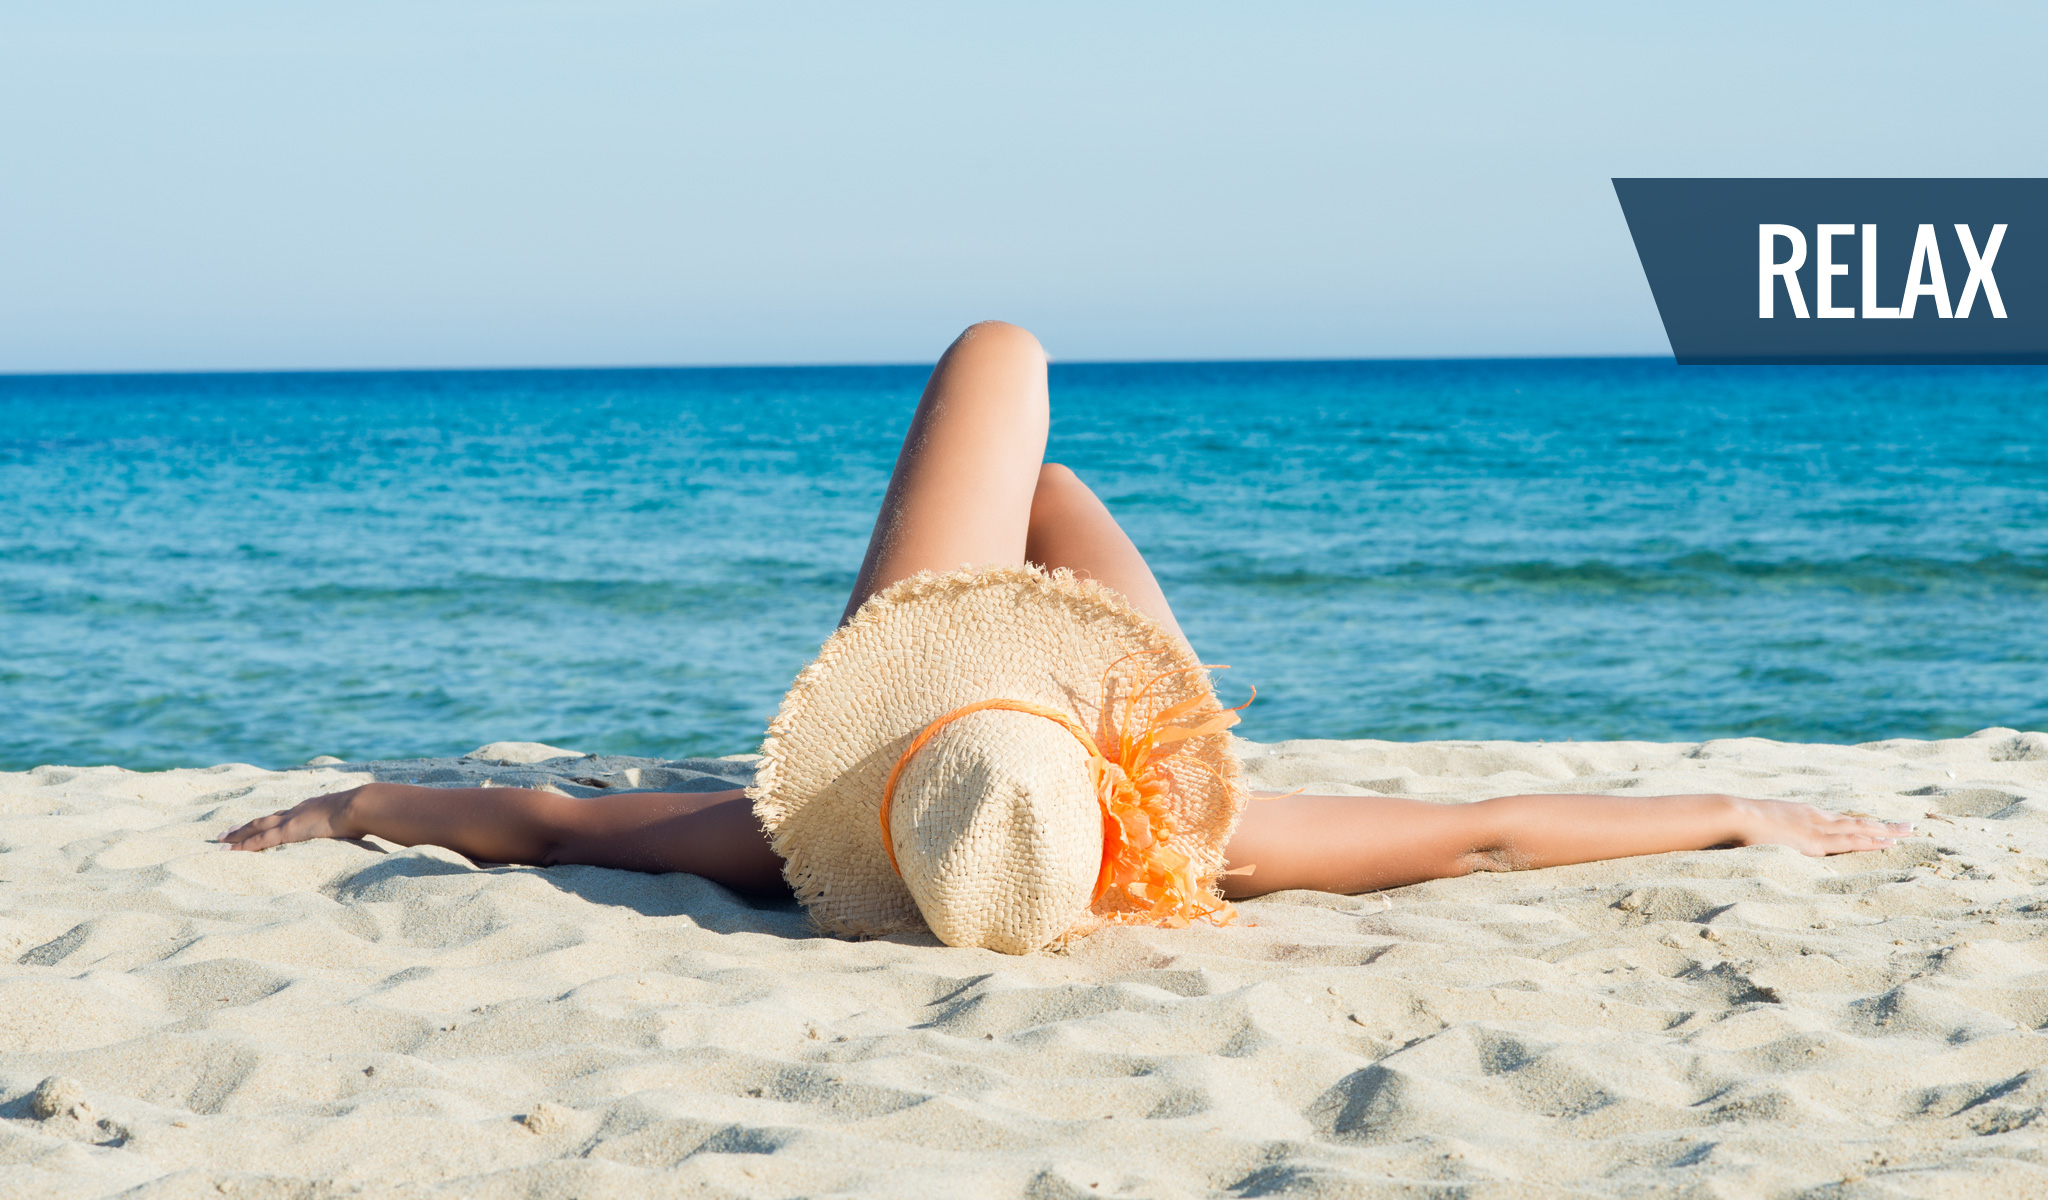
<point x="265" y="567"/>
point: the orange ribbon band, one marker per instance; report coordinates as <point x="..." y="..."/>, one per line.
<point x="1134" y="790"/>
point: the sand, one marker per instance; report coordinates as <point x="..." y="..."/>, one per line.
<point x="337" y="1018"/>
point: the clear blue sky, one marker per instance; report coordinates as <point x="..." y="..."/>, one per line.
<point x="209" y="185"/>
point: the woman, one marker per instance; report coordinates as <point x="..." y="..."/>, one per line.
<point x="971" y="487"/>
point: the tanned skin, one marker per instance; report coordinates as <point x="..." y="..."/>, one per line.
<point x="972" y="486"/>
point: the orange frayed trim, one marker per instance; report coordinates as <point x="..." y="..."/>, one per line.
<point x="1134" y="786"/>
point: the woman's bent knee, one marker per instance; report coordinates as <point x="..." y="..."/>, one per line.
<point x="1057" y="491"/>
<point x="999" y="337"/>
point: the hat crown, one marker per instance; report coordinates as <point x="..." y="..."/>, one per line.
<point x="998" y="832"/>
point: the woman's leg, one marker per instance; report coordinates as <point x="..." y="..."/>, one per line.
<point x="962" y="491"/>
<point x="1071" y="528"/>
<point x="971" y="487"/>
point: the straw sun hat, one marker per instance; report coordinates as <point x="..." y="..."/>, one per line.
<point x="1006" y="755"/>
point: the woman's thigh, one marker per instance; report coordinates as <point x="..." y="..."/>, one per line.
<point x="1071" y="527"/>
<point x="963" y="485"/>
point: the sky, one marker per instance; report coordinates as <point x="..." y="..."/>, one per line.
<point x="240" y="186"/>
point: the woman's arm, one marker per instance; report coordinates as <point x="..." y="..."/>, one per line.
<point x="713" y="834"/>
<point x="1363" y="843"/>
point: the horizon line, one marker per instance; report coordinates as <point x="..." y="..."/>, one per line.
<point x="147" y="372"/>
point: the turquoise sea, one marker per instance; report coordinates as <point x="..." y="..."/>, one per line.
<point x="261" y="568"/>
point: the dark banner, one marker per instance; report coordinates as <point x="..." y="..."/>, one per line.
<point x="1845" y="270"/>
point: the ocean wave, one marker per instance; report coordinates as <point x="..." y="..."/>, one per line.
<point x="716" y="598"/>
<point x="717" y="595"/>
<point x="1698" y="573"/>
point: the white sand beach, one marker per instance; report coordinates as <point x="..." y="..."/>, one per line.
<point x="337" y="1019"/>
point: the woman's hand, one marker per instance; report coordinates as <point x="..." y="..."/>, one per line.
<point x="325" y="816"/>
<point x="1810" y="830"/>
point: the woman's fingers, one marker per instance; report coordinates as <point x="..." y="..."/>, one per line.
<point x="261" y="833"/>
<point x="1840" y="833"/>
<point x="253" y="841"/>
<point x="262" y="824"/>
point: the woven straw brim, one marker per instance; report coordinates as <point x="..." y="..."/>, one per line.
<point x="934" y="643"/>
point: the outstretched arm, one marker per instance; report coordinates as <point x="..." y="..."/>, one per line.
<point x="713" y="834"/>
<point x="1363" y="843"/>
